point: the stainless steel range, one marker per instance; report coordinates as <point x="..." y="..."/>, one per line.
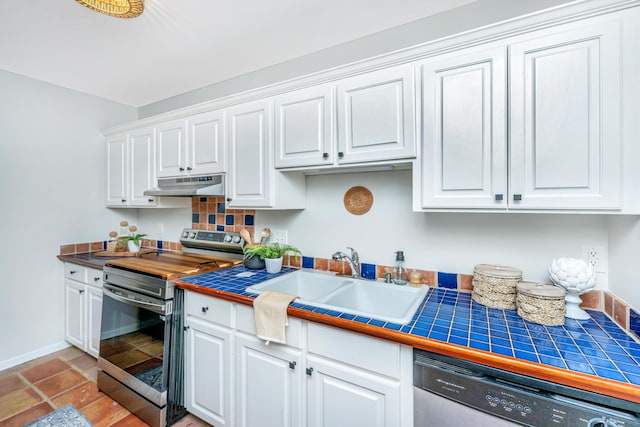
<point x="141" y="342"/>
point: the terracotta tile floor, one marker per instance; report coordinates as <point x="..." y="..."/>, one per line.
<point x="40" y="386"/>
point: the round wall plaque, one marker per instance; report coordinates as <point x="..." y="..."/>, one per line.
<point x="358" y="200"/>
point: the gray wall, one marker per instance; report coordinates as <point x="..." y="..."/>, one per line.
<point x="471" y="16"/>
<point x="53" y="178"/>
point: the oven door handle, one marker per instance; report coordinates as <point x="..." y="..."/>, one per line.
<point x="113" y="293"/>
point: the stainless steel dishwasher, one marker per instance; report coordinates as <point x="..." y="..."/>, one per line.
<point x="452" y="392"/>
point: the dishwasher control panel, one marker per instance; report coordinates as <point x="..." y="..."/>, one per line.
<point x="515" y="402"/>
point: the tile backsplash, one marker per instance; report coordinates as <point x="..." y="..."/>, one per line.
<point x="210" y="213"/>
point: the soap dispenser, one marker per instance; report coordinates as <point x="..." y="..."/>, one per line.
<point x="399" y="272"/>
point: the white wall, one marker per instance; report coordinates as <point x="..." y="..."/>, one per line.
<point x="52" y="179"/>
<point x="474" y="15"/>
<point x="446" y="242"/>
<point x="624" y="258"/>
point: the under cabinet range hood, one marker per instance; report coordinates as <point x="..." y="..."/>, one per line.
<point x="207" y="185"/>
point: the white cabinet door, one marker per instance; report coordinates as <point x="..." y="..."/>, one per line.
<point x="464" y="157"/>
<point x="268" y="384"/>
<point x="94" y="310"/>
<point x="208" y="371"/>
<point x="565" y="119"/>
<point x="376" y="116"/>
<point x="206" y="150"/>
<point x="142" y="163"/>
<point x="342" y="396"/>
<point x="117" y="171"/>
<point x="251" y="156"/>
<point x="171" y="149"/>
<point x="304" y="129"/>
<point x="94" y="318"/>
<point x="75" y="314"/>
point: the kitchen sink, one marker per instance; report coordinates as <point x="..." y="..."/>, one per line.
<point x="307" y="285"/>
<point x="377" y="300"/>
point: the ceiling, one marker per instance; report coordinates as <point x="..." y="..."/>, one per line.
<point x="177" y="46"/>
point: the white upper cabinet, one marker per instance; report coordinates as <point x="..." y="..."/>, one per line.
<point x="117" y="171"/>
<point x="250" y="146"/>
<point x="565" y="119"/>
<point x="142" y="174"/>
<point x="131" y="171"/>
<point x="376" y="116"/>
<point x="172" y="149"/>
<point x="562" y="151"/>
<point x="191" y="146"/>
<point x="304" y="127"/>
<point x="464" y="160"/>
<point x="253" y="181"/>
<point x="206" y="149"/>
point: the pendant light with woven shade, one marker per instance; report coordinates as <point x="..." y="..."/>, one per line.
<point x="117" y="8"/>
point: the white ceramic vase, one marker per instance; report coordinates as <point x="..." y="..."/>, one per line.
<point x="577" y="277"/>
<point x="132" y="246"/>
<point x="273" y="265"/>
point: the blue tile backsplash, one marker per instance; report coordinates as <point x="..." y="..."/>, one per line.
<point x="596" y="346"/>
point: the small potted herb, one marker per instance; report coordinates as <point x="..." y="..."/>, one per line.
<point x="270" y="253"/>
<point x="133" y="242"/>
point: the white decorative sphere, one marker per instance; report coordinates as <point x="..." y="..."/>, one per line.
<point x="573" y="274"/>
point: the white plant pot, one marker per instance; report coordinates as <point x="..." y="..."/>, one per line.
<point x="273" y="265"/>
<point x="132" y="246"/>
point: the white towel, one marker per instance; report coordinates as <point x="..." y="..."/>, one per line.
<point x="270" y="313"/>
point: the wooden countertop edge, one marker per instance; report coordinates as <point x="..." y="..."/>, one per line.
<point x="70" y="258"/>
<point x="561" y="376"/>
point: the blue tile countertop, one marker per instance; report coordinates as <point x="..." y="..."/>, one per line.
<point x="596" y="347"/>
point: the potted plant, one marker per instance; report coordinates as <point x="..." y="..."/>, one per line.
<point x="133" y="242"/>
<point x="271" y="253"/>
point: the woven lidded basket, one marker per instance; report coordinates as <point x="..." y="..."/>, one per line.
<point x="495" y="285"/>
<point x="541" y="303"/>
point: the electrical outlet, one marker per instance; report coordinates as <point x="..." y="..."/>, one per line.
<point x="596" y="256"/>
<point x="278" y="236"/>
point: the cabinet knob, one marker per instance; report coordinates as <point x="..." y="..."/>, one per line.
<point x="73" y="272"/>
<point x="96" y="279"/>
<point x="205" y="309"/>
<point x="124" y="200"/>
<point x="340" y="154"/>
<point x="150" y="200"/>
<point x="185" y="328"/>
<point x="499" y="197"/>
<point x="325" y="155"/>
<point x="309" y="371"/>
<point x="517" y="197"/>
<point x="181" y="169"/>
<point x="292" y="365"/>
<point x="189" y="168"/>
<point x="229" y="199"/>
<point x="81" y="291"/>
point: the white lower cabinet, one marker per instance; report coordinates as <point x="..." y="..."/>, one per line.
<point x="208" y="372"/>
<point x="83" y="307"/>
<point x="209" y="358"/>
<point x="341" y="395"/>
<point x="268" y="384"/>
<point x="356" y="380"/>
<point x="323" y="376"/>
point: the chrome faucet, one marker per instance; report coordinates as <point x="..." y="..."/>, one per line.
<point x="353" y="261"/>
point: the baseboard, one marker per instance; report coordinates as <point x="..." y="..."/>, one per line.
<point x="15" y="361"/>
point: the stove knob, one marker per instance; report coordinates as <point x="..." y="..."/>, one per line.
<point x="236" y="239"/>
<point x="227" y="238"/>
<point x="185" y="234"/>
<point x="192" y="235"/>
